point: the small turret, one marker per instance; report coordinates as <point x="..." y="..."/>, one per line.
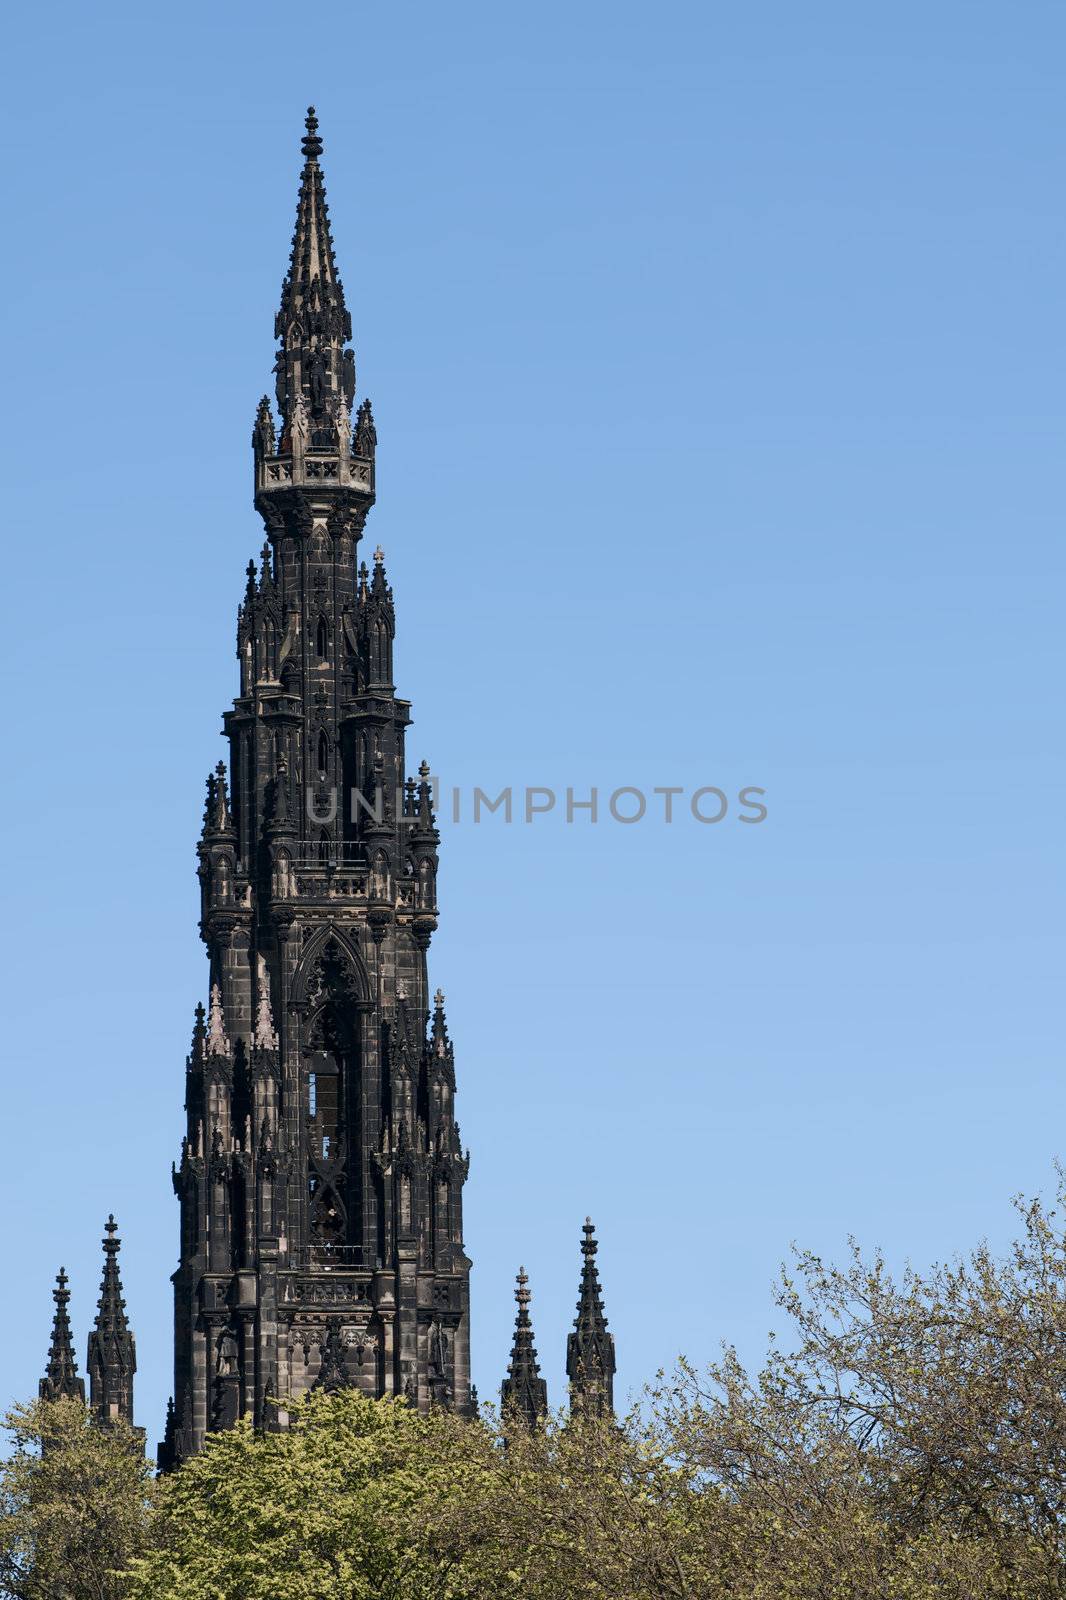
<point x="218" y="822"/>
<point x="61" y="1381"/>
<point x="266" y="572"/>
<point x="590" y="1348"/>
<point x="112" y="1357"/>
<point x="365" y="441"/>
<point x="199" y="1038"/>
<point x="377" y="621"/>
<point x="426" y="825"/>
<point x="440" y="1046"/>
<point x="523" y="1393"/>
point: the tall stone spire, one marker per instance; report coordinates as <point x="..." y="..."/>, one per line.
<point x="314" y="368"/>
<point x="590" y="1348"/>
<point x="321" y="1163"/>
<point x="524" y="1393"/>
<point x="61" y="1381"/>
<point x="112" y="1352"/>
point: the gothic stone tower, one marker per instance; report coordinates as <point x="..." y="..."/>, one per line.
<point x="321" y="1174"/>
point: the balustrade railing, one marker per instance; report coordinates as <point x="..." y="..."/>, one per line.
<point x="329" y="853"/>
<point x="337" y="1257"/>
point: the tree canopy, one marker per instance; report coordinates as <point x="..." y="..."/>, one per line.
<point x="74" y="1504"/>
<point x="908" y="1444"/>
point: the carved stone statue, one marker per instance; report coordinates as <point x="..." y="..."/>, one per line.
<point x="318" y="380"/>
<point x="226" y="1362"/>
<point x="366" y="435"/>
<point x="344" y="428"/>
<point x="300" y="429"/>
<point x="438" y="1349"/>
<point x="264" y="429"/>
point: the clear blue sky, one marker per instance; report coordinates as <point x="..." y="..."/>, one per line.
<point x="717" y="354"/>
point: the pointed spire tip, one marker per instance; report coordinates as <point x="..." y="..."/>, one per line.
<point x="311" y="144"/>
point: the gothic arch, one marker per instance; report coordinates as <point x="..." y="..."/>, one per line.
<point x="269" y="664"/>
<point x="312" y="954"/>
<point x="427" y="882"/>
<point x="223" y="868"/>
<point x="281" y="877"/>
<point x="381" y="875"/>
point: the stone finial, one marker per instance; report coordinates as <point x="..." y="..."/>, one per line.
<point x="199" y="1035"/>
<point x="440" y="1044"/>
<point x="217" y="1042"/>
<point x="217" y="817"/>
<point x="311" y="144"/>
<point x="264" y="439"/>
<point x="264" y="1035"/>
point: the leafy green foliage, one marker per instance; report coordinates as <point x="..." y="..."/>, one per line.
<point x="357" y="1498"/>
<point x="74" y="1504"/>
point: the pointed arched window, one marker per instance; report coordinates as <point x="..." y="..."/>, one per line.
<point x="323" y="752"/>
<point x="322" y="639"/>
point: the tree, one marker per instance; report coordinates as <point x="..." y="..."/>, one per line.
<point x="914" y="1440"/>
<point x="74" y="1502"/>
<point x="591" y="1509"/>
<point x="356" y="1498"/>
